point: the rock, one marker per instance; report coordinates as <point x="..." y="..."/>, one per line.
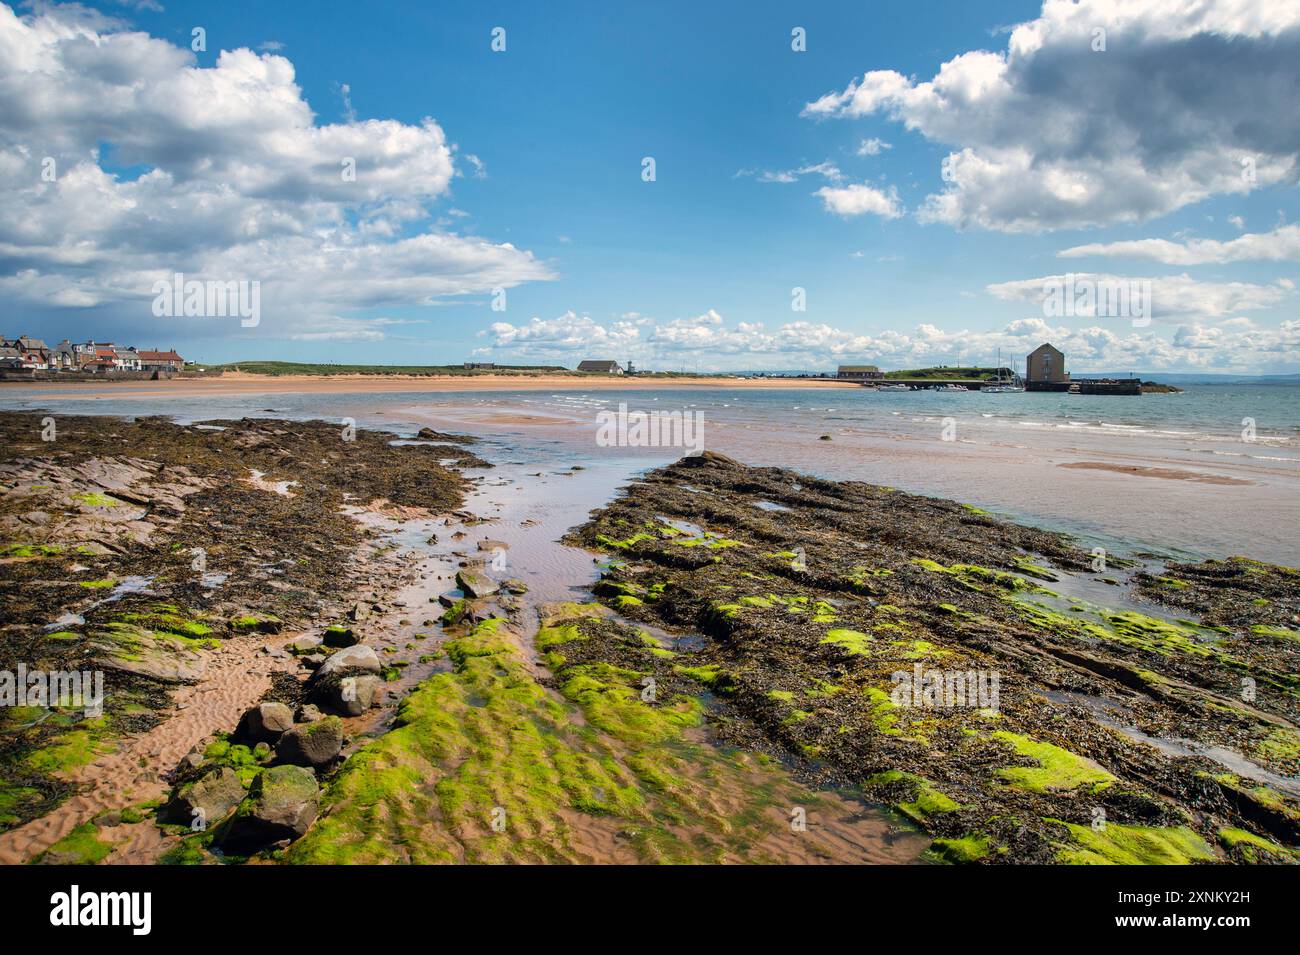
<point x="360" y="611"/>
<point x="825" y="437"/>
<point x="710" y="458"/>
<point x="190" y="761"/>
<point x="312" y="744"/>
<point x="451" y="598"/>
<point x="312" y="661"/>
<point x="488" y="544"/>
<point x="515" y="585"/>
<point x="281" y="804"/>
<point x="350" y="695"/>
<point x="131" y="649"/>
<point x="475" y="584"/>
<point x="256" y="623"/>
<point x="337" y="635"/>
<point x="303" y="644"/>
<point x="264" y="723"/>
<point x="209" y="797"/>
<point x="353" y="658"/>
<point x="307" y="713"/>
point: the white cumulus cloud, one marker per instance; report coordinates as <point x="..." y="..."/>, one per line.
<point x="1054" y="132"/>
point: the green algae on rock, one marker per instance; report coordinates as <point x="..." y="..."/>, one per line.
<point x="909" y="581"/>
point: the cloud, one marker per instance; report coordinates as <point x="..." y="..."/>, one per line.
<point x="872" y="147"/>
<point x="1282" y="244"/>
<point x="826" y="169"/>
<point x="1235" y="345"/>
<point x="342" y="329"/>
<point x="858" y="199"/>
<point x="1051" y="133"/>
<point x="161" y="166"/>
<point x="1173" y="298"/>
<point x="565" y="335"/>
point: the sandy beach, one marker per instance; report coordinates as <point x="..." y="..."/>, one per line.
<point x="240" y="383"/>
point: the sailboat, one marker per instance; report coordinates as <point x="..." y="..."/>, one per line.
<point x="1001" y="387"/>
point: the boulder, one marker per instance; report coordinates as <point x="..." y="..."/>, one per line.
<point x="476" y="584"/>
<point x="353" y="658"/>
<point x="308" y="714"/>
<point x="515" y="585"/>
<point x="264" y="723"/>
<point x="349" y="695"/>
<point x="281" y="805"/>
<point x="209" y="796"/>
<point x="337" y="635"/>
<point x="312" y="744"/>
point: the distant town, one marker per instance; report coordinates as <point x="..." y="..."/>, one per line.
<point x="31" y="358"/>
<point x="97" y="358"/>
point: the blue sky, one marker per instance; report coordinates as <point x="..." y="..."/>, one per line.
<point x="522" y="170"/>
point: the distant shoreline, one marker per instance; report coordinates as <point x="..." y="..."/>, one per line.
<point x="234" y="382"/>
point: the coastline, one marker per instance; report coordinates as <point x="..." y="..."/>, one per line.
<point x="241" y="383"/>
<point x="435" y="594"/>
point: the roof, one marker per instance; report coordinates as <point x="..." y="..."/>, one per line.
<point x="30" y="343"/>
<point x="598" y="366"/>
<point x="858" y="368"/>
<point x="1046" y="345"/>
<point x="159" y="356"/>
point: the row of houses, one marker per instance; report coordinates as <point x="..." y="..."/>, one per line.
<point x="32" y="354"/>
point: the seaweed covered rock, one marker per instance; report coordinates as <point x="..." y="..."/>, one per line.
<point x="208" y="796"/>
<point x="281" y="805"/>
<point x="475" y="583"/>
<point x="312" y="744"/>
<point x="337" y="635"/>
<point x="257" y="623"/>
